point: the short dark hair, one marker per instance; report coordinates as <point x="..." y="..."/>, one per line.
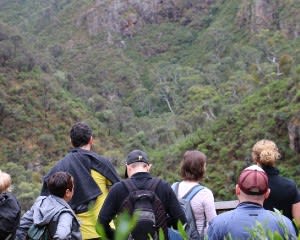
<point x="80" y="134"/>
<point x="59" y="182"/>
<point x="193" y="165"/>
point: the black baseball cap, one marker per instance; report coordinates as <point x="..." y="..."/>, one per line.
<point x="136" y="156"/>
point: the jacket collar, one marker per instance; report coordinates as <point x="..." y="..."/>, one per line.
<point x="249" y="204"/>
<point x="141" y="175"/>
<point x="270" y="170"/>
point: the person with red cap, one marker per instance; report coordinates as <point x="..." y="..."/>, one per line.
<point x="250" y="220"/>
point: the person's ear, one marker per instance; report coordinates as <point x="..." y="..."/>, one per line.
<point x="267" y="194"/>
<point x="91" y="141"/>
<point x="68" y="195"/>
<point x="149" y="167"/>
<point x="129" y="170"/>
<point x="237" y="190"/>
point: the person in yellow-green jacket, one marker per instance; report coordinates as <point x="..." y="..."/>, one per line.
<point x="93" y="175"/>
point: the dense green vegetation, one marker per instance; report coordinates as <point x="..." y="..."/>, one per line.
<point x="191" y="76"/>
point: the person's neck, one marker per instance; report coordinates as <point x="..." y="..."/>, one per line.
<point x="252" y="200"/>
<point x="190" y="181"/>
<point x="86" y="147"/>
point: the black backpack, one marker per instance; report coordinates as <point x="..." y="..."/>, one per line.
<point x="10" y="213"/>
<point x="149" y="209"/>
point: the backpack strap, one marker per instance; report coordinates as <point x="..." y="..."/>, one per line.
<point x="192" y="192"/>
<point x="129" y="185"/>
<point x="52" y="226"/>
<point x="153" y="184"/>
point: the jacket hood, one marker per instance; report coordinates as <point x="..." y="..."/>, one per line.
<point x="45" y="208"/>
<point x="3" y="198"/>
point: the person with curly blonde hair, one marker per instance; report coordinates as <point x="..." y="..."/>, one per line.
<point x="5" y="182"/>
<point x="284" y="194"/>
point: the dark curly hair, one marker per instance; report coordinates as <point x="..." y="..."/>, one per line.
<point x="59" y="182"/>
<point x="80" y="134"/>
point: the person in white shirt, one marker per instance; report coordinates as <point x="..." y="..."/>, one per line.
<point x="192" y="170"/>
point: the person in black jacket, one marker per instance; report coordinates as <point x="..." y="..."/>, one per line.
<point x="284" y="195"/>
<point x="93" y="175"/>
<point x="10" y="210"/>
<point x="137" y="169"/>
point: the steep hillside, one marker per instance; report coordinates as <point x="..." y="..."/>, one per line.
<point x="165" y="76"/>
<point x="35" y="116"/>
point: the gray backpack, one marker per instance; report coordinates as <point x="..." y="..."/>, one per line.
<point x="36" y="232"/>
<point x="191" y="227"/>
<point x="46" y="231"/>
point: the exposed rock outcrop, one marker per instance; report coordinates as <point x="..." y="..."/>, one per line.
<point x="294" y="133"/>
<point x="265" y="14"/>
<point x="129" y="16"/>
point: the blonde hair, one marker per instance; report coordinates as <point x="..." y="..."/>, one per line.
<point x="265" y="152"/>
<point x="5" y="182"/>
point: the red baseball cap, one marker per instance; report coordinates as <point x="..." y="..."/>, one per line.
<point x="253" y="180"/>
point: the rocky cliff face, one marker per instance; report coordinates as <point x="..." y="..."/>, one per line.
<point x="294" y="133"/>
<point x="129" y="16"/>
<point x="274" y="15"/>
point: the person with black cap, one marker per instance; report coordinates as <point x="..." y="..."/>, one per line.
<point x="137" y="171"/>
<point x="250" y="220"/>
